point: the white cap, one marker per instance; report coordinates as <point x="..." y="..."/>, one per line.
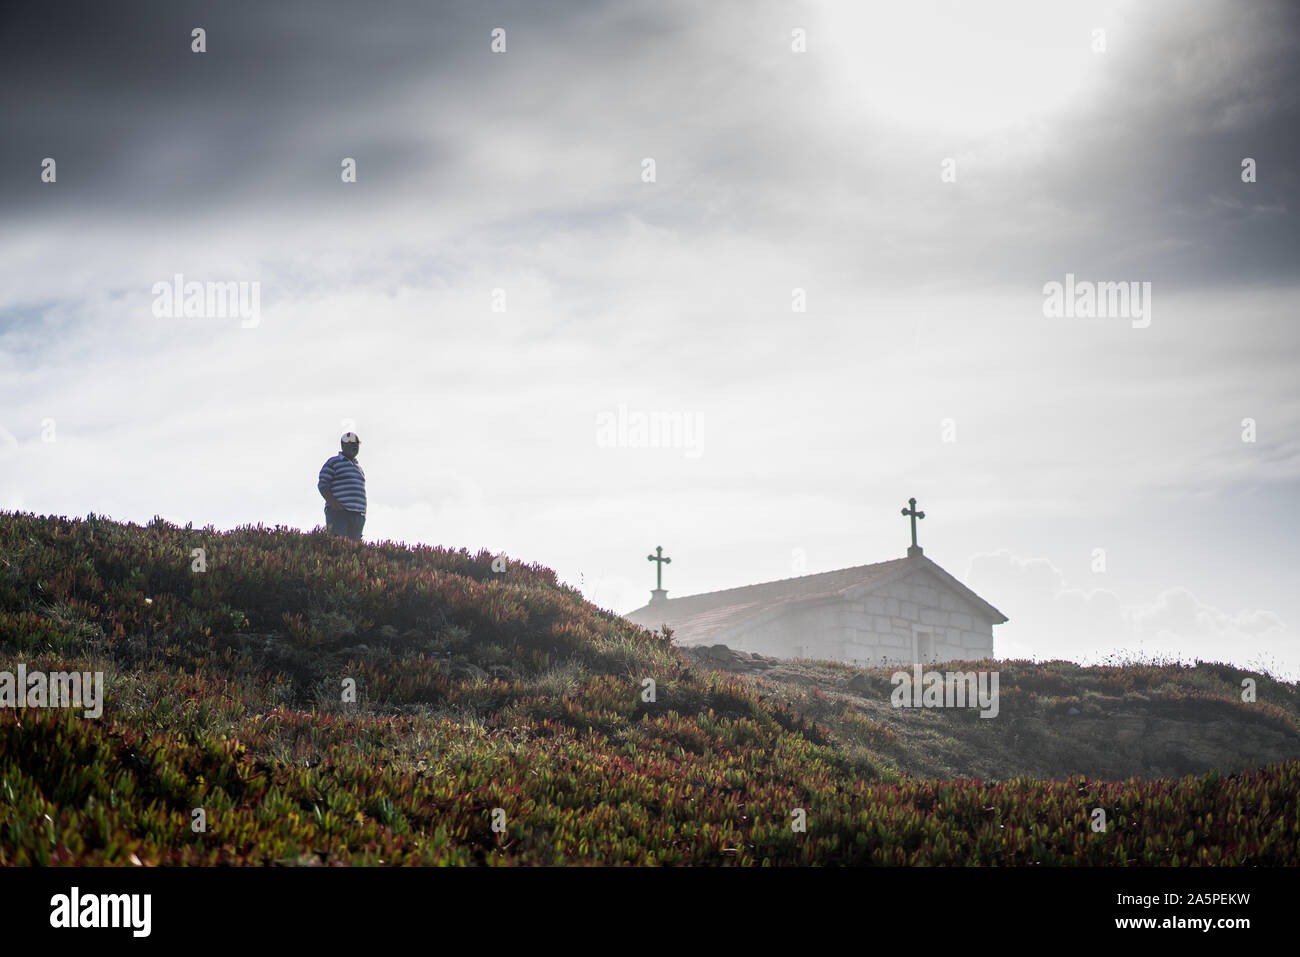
<point x="349" y="438"/>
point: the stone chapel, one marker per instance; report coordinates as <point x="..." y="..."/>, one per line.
<point x="898" y="612"/>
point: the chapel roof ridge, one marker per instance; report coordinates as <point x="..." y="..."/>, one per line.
<point x="795" y="578"/>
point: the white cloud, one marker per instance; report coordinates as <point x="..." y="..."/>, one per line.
<point x="1050" y="619"/>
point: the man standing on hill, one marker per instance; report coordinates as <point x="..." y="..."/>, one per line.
<point x="343" y="486"/>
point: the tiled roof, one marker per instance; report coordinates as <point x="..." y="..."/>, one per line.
<point x="697" y="619"/>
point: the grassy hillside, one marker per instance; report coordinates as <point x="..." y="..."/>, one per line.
<point x="1056" y="719"/>
<point x="499" y="718"/>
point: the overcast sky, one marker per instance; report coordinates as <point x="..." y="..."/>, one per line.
<point x="919" y="170"/>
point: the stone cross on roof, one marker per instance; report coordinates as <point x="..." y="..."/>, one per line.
<point x="915" y="550"/>
<point x="659" y="594"/>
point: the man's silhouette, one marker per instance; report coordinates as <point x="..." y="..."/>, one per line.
<point x="343" y="486"/>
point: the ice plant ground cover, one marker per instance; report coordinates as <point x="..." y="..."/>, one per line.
<point x="497" y="717"/>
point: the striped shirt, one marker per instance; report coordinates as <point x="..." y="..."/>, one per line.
<point x="342" y="477"/>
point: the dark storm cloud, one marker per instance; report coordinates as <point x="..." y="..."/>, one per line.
<point x="1155" y="163"/>
<point x="140" y="123"/>
<point x="1139" y="179"/>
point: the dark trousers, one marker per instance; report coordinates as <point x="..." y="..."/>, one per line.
<point x="347" y="524"/>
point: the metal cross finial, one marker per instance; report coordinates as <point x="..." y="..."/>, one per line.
<point x="658" y="556"/>
<point x="911" y="510"/>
